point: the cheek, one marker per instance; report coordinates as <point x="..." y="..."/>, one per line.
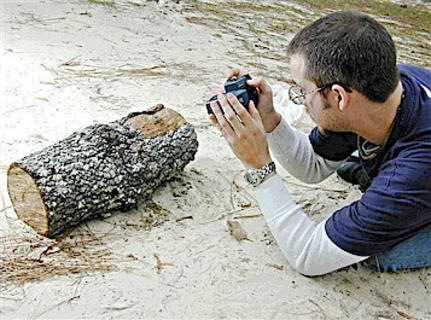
<point x="326" y="105"/>
<point x="310" y="108"/>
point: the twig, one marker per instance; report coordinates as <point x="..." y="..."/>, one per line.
<point x="11" y="298"/>
<point x="224" y="215"/>
<point x="319" y="307"/>
<point x="248" y="217"/>
<point x="314" y="188"/>
<point x="238" y="188"/>
<point x="183" y="218"/>
<point x="404" y="315"/>
<point x="160" y="265"/>
<point x="231" y="194"/>
<point x="19" y="108"/>
<point x="276" y="266"/>
<point x="5" y="208"/>
<point x="69" y="62"/>
<point x="49" y="69"/>
<point x="57" y="305"/>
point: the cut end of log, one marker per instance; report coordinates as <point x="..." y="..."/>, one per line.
<point x="156" y="121"/>
<point x="27" y="200"/>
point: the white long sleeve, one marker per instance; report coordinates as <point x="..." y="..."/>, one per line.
<point x="294" y="152"/>
<point x="305" y="244"/>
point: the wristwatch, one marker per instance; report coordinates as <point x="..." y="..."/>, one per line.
<point x="256" y="176"/>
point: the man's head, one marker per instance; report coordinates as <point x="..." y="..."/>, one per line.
<point x="349" y="51"/>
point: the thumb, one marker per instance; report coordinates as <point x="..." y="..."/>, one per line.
<point x="253" y="111"/>
<point x="261" y="84"/>
<point x="217" y="91"/>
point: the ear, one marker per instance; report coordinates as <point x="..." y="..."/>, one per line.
<point x="341" y="97"/>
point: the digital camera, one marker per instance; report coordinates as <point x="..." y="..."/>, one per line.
<point x="241" y="90"/>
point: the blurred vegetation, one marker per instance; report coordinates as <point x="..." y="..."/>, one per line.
<point x="265" y="27"/>
<point x="109" y="3"/>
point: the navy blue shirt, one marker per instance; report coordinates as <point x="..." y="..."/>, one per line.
<point x="397" y="205"/>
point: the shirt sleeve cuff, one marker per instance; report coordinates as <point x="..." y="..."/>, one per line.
<point x="272" y="195"/>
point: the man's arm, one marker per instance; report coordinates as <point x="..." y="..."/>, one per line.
<point x="395" y="207"/>
<point x="305" y="244"/>
<point x="293" y="151"/>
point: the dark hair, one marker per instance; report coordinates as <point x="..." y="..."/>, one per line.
<point x="350" y="48"/>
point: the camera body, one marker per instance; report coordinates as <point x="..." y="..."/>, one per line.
<point x="241" y="90"/>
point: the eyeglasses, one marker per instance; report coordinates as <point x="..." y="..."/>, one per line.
<point x="297" y="95"/>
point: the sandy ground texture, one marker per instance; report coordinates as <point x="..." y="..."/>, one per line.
<point x="68" y="64"/>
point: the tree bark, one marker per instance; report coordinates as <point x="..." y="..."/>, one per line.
<point x="102" y="168"/>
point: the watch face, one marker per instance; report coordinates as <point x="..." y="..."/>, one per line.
<point x="253" y="176"/>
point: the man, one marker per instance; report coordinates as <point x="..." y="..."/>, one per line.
<point x="345" y="73"/>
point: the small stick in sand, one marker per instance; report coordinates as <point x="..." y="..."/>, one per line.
<point x="183" y="218"/>
<point x="276" y="266"/>
<point x="236" y="230"/>
<point x="160" y="264"/>
<point x="248" y="217"/>
<point x="245" y="205"/>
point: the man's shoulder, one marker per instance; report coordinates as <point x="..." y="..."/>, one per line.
<point x="422" y="75"/>
<point x="412" y="68"/>
<point x="410" y="169"/>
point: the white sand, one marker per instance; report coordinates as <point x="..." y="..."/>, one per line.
<point x="213" y="275"/>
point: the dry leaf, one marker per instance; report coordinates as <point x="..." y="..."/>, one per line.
<point x="276" y="266"/>
<point x="236" y="230"/>
<point x="130" y="255"/>
<point x="245" y="205"/>
<point x="405" y="315"/>
<point x="86" y="14"/>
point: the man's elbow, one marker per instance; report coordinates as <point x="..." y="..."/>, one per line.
<point x="310" y="268"/>
<point x="314" y="178"/>
<point x="319" y="171"/>
<point x="311" y="272"/>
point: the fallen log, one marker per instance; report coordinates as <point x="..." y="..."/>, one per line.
<point x="102" y="168"/>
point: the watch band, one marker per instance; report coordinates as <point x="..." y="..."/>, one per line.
<point x="256" y="176"/>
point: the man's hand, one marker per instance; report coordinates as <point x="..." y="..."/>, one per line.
<point x="242" y="129"/>
<point x="270" y="118"/>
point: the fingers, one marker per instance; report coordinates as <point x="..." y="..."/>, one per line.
<point x="230" y="114"/>
<point x="222" y="123"/>
<point x="235" y="73"/>
<point x="214" y="121"/>
<point x="260" y="83"/>
<point x="257" y="82"/>
<point x="254" y="113"/>
<point x="230" y="110"/>
<point x="239" y="109"/>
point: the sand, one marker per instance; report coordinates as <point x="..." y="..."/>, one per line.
<point x="67" y="65"/>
